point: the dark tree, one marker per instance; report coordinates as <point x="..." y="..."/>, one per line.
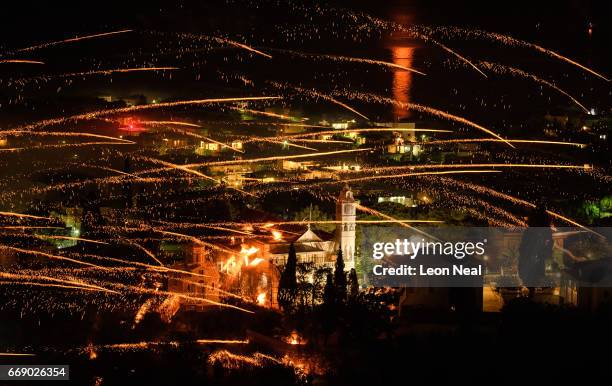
<point x="287" y="284"/>
<point x="340" y="278"/>
<point x="329" y="292"/>
<point x="535" y="248"/>
<point x="353" y="285"/>
<point x="329" y="314"/>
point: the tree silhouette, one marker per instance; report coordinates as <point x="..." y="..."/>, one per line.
<point x="329" y="292"/>
<point x="340" y="278"/>
<point x="287" y="284"/>
<point x="353" y="285"/>
<point x="329" y="307"/>
<point x="535" y="248"/>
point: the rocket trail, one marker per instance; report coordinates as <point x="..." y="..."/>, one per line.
<point x="181" y="295"/>
<point x="73" y="283"/>
<point x="13" y="354"/>
<point x="425" y="37"/>
<point x="61" y="145"/>
<point x="18" y="133"/>
<point x="348" y="131"/>
<point x="501" y="69"/>
<point x="458" y="56"/>
<point x="317" y="94"/>
<point x="427" y="110"/>
<point x="352" y="59"/>
<point x="392" y="219"/>
<point x="145" y="250"/>
<point x="195" y="240"/>
<point x="508" y="40"/>
<point x="532" y="141"/>
<point x="243" y="46"/>
<point x="182" y="168"/>
<point x="21" y="215"/>
<point x="515" y="200"/>
<point x="286" y="143"/>
<point x="177" y="123"/>
<point x="453" y="166"/>
<point x="50" y="256"/>
<point x="411" y="175"/>
<point x="75" y="39"/>
<point x="265" y="113"/>
<point x="275" y="158"/>
<point x="151" y="267"/>
<point x="100" y="113"/>
<point x="281" y="223"/>
<point x="72" y="238"/>
<point x="186" y="169"/>
<point x="23" y="61"/>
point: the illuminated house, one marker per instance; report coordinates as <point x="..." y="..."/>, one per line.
<point x="398" y="146"/>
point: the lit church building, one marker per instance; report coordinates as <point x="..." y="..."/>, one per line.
<point x="321" y="248"/>
<point x="256" y="263"/>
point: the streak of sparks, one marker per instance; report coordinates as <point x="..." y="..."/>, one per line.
<point x="501" y="69"/>
<point x="317" y="94"/>
<point x="428" y="110"/>
<point x="24" y="61"/>
<point x="75" y="39"/>
<point x="18" y="133"/>
<point x="301" y="222"/>
<point x="349" y="131"/>
<point x="286" y="143"/>
<point x="21" y="215"/>
<point x="243" y="46"/>
<point x="355" y="60"/>
<point x="469" y="140"/>
<point x="50" y="256"/>
<point x="177" y="123"/>
<point x="491" y="165"/>
<point x="99" y="113"/>
<point x="222" y="341"/>
<point x="265" y="113"/>
<point x="392" y="219"/>
<point x="64" y="282"/>
<point x="72" y="238"/>
<point x="275" y="158"/>
<point x="15" y="354"/>
<point x="368" y="178"/>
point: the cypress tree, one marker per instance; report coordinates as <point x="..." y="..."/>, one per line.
<point x="353" y="285"/>
<point x="287" y="284"/>
<point x="340" y="278"/>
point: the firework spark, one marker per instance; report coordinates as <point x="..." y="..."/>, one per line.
<point x="21" y="215"/>
<point x="427" y="110"/>
<point x="75" y="39"/>
<point x="24" y="61"/>
<point x="368" y="178"/>
<point x="532" y="141"/>
<point x="501" y="69"/>
<point x="243" y="46"/>
<point x="275" y="158"/>
<point x="353" y="60"/>
<point x="100" y="113"/>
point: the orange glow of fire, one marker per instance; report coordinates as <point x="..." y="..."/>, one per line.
<point x="261" y="298"/>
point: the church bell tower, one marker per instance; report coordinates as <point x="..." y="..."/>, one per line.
<point x="345" y="229"/>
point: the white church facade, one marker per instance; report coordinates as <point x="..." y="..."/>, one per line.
<point x="319" y="247"/>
